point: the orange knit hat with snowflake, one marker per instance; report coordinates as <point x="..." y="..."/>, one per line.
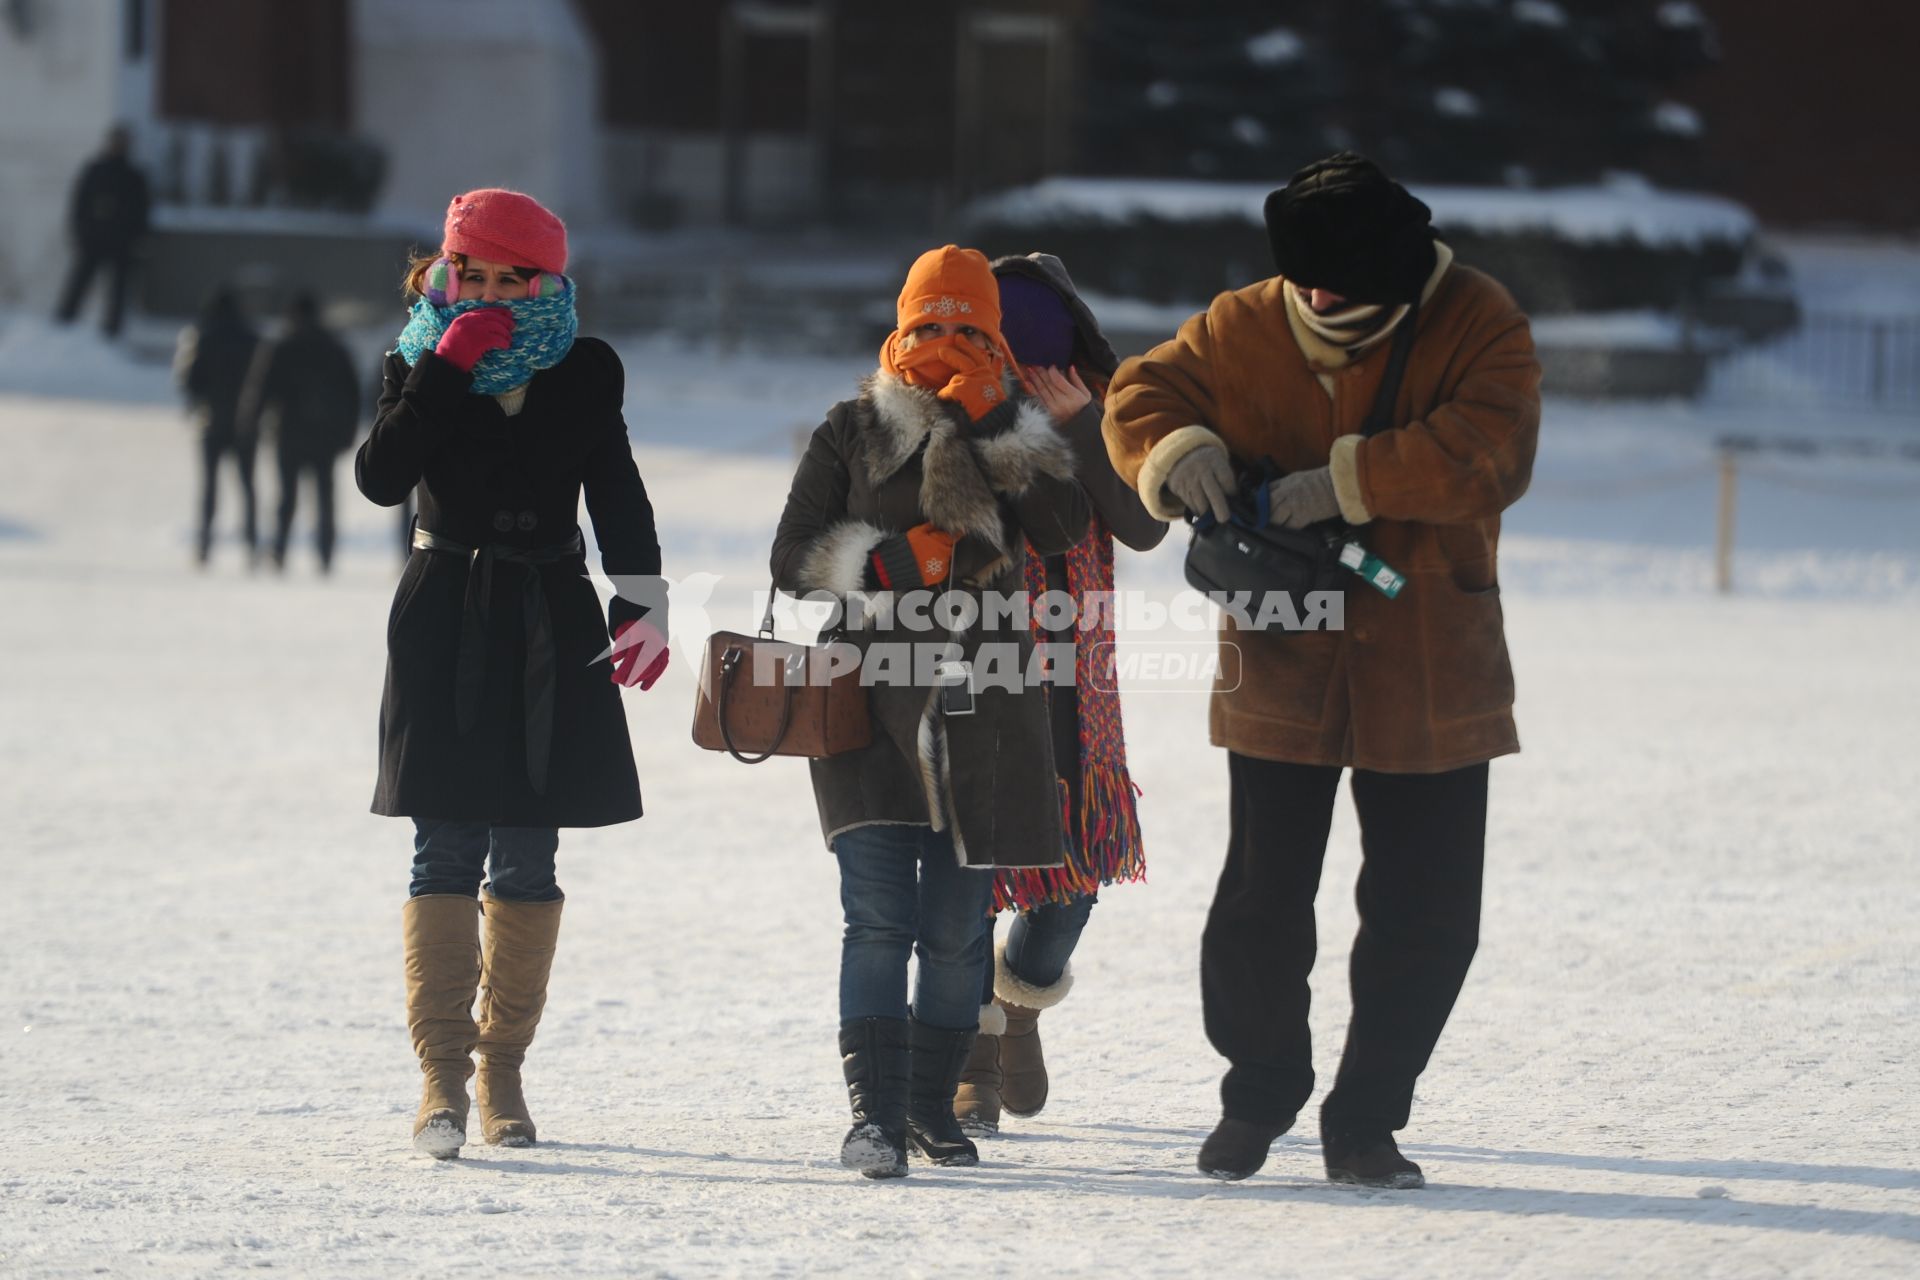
<point x="953" y="286"/>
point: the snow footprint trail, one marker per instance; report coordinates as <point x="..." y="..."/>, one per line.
<point x="1698" y="965"/>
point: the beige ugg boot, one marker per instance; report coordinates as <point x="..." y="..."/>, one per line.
<point x="977" y="1103"/>
<point x="1023" y="1068"/>
<point x="516" y="960"/>
<point x="441" y="938"/>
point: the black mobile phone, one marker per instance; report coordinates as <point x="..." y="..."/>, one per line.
<point x="955" y="678"/>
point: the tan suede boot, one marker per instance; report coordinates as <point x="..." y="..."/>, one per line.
<point x="1023" y="1068"/>
<point x="516" y="960"/>
<point x="977" y="1103"/>
<point x="441" y="937"/>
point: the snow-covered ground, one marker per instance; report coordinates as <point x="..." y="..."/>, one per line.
<point x="1688" y="1046"/>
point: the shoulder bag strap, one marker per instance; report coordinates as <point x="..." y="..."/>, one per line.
<point x="1380" y="416"/>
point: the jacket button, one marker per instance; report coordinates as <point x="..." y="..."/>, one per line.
<point x="527" y="521"/>
<point x="503" y="521"/>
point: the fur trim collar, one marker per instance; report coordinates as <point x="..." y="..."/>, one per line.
<point x="963" y="475"/>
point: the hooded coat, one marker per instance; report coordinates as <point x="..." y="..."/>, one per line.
<point x="894" y="458"/>
<point x="1113" y="501"/>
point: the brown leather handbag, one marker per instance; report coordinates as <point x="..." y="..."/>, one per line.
<point x="792" y="708"/>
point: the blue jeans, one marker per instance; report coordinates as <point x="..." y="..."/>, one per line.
<point x="903" y="892"/>
<point x="1040" y="941"/>
<point x="450" y="857"/>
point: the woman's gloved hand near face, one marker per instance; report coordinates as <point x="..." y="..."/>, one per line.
<point x="473" y="334"/>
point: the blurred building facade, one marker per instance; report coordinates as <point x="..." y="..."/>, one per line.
<point x="340" y="121"/>
<point x="360" y="116"/>
<point x="864" y="111"/>
<point x="67" y="73"/>
<point x="1812" y="112"/>
<point x="649" y="114"/>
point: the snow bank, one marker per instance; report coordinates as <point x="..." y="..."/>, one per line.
<point x="1647" y="330"/>
<point x="1853" y="275"/>
<point x="1622" y="209"/>
<point x="274" y="219"/>
<point x="38" y="357"/>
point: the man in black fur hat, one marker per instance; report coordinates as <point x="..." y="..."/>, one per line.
<point x="1414" y="695"/>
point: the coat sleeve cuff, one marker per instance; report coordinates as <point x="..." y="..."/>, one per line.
<point x="1029" y="449"/>
<point x="1160" y="462"/>
<point x="1344" y="465"/>
<point x="838" y="561"/>
<point x="439" y="379"/>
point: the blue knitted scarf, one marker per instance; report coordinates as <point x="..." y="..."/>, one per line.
<point x="543" y="332"/>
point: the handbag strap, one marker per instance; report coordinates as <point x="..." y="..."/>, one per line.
<point x="730" y="663"/>
<point x="1380" y="416"/>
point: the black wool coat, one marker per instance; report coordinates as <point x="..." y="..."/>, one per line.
<point x="304" y="391"/>
<point x="110" y="207"/>
<point x="878" y="466"/>
<point x="214" y="362"/>
<point x="481" y="477"/>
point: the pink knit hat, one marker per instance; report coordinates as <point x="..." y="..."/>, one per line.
<point x="506" y="227"/>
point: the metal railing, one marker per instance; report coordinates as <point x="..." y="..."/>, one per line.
<point x="1867" y="361"/>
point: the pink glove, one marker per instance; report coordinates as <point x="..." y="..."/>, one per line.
<point x="639" y="654"/>
<point x="473" y="334"/>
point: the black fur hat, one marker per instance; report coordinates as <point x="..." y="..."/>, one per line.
<point x="1343" y="224"/>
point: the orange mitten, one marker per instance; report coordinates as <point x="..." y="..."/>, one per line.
<point x="920" y="557"/>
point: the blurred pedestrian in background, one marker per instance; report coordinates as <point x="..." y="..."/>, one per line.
<point x="305" y="393"/>
<point x="107" y="219"/>
<point x="211" y="365"/>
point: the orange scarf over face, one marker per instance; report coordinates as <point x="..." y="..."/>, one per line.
<point x="952" y="368"/>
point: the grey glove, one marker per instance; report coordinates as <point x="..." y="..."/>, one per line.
<point x="1203" y="482"/>
<point x="1302" y="498"/>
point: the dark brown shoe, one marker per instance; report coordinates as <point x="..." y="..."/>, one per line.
<point x="1023" y="1067"/>
<point x="1237" y="1148"/>
<point x="1370" y="1160"/>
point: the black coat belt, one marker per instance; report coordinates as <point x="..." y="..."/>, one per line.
<point x="470" y="666"/>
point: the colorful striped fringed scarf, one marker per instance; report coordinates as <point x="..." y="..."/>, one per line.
<point x="1110" y="851"/>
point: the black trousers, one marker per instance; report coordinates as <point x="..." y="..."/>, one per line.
<point x="292" y="467"/>
<point x="214" y="447"/>
<point x="1423" y="839"/>
<point x="119" y="265"/>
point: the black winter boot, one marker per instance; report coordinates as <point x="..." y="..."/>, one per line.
<point x="1237" y="1148"/>
<point x="939" y="1055"/>
<point x="1368" y="1160"/>
<point x="874" y="1056"/>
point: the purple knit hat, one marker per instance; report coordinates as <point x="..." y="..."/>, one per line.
<point x="1036" y="322"/>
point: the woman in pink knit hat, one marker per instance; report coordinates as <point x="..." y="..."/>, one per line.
<point x="501" y="720"/>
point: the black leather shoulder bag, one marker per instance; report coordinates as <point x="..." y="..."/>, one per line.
<point x="1247" y="555"/>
